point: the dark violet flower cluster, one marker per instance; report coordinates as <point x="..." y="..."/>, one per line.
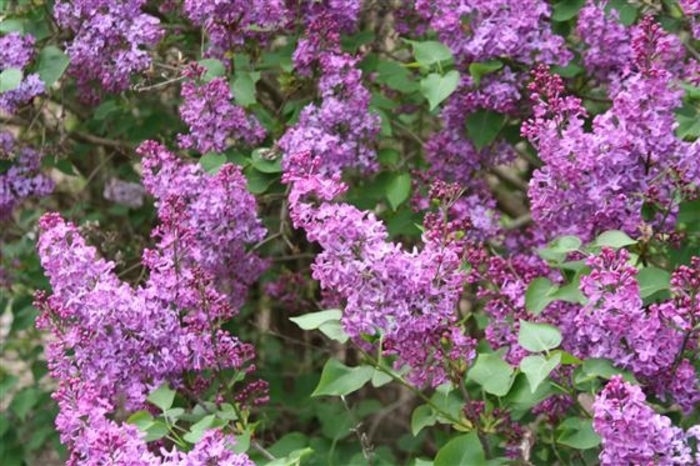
<point x="607" y="43"/>
<point x="213" y="119"/>
<point x="114" y="343"/>
<point x="632" y="433"/>
<point x="17" y="51"/>
<point x="599" y="180"/>
<point x="22" y="179"/>
<point x="401" y="296"/>
<point x="340" y="131"/>
<point x="614" y="324"/>
<point x="478" y="30"/>
<point x="109" y="43"/>
<point x="228" y="23"/>
<point x="216" y="213"/>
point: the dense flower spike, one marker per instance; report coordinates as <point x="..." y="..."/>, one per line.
<point x="213" y="119"/>
<point x="16" y="52"/>
<point x="216" y="214"/>
<point x="600" y="180"/>
<point x="632" y="432"/>
<point x="22" y="179"/>
<point x="109" y="43"/>
<point x="339" y="132"/>
<point x="402" y="296"/>
<point x="229" y="23"/>
<point x="115" y="343"/>
<point x="607" y="42"/>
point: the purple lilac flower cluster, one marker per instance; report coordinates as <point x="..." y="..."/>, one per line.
<point x="632" y="433"/>
<point x="339" y="132"/>
<point x="216" y="213"/>
<point x="401" y="296"/>
<point x="114" y="343"/>
<point x="614" y="324"/>
<point x="17" y="51"/>
<point x="109" y="43"/>
<point x="607" y="43"/>
<point x="22" y="179"/>
<point x="229" y="23"/>
<point x="213" y="119"/>
<point x="599" y="180"/>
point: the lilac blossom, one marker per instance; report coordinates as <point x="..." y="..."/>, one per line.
<point x="340" y="131"/>
<point x="632" y="433"/>
<point x="17" y="51"/>
<point x="402" y="296"/>
<point x="22" y="179"/>
<point x="477" y="30"/>
<point x="229" y="23"/>
<point x="607" y="43"/>
<point x="213" y="119"/>
<point x="217" y="214"/>
<point x="599" y="180"/>
<point x="110" y="41"/>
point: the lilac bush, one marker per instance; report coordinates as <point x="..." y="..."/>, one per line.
<point x="350" y="232"/>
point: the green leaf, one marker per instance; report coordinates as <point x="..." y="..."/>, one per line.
<point x="567" y="9"/>
<point x="259" y="158"/>
<point x="258" y="182"/>
<point x="651" y="280"/>
<point x="396" y="77"/>
<point x="337" y="379"/>
<point x="398" y="189"/>
<point x="141" y="419"/>
<point x="579" y="434"/>
<point x="52" y="62"/>
<point x="538" y="337"/>
<point x="437" y="88"/>
<point x="156" y="431"/>
<point x="565" y="244"/>
<point x="483" y="126"/>
<point x="537" y="368"/>
<point x="214" y="68"/>
<point x="10" y="79"/>
<point x="380" y="378"/>
<point x="603" y="368"/>
<point x="479" y="69"/>
<point x="314" y="320"/>
<point x="23" y="401"/>
<point x="162" y="397"/>
<point x="492" y="373"/>
<point x="521" y="398"/>
<point x="423" y="416"/>
<point x="11" y="25"/>
<point x="243" y="88"/>
<point x="688" y="124"/>
<point x="570" y="292"/>
<point x="334" y="330"/>
<point x="615" y="239"/>
<point x="430" y="52"/>
<point x="539" y="295"/>
<point x="464" y="450"/>
<point x="628" y="13"/>
<point x="199" y="428"/>
<point x="212" y="162"/>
